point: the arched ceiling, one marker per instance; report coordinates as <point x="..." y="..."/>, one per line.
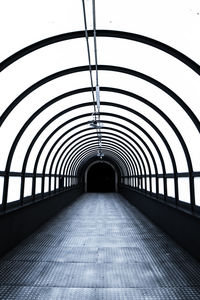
<point x="148" y="71"/>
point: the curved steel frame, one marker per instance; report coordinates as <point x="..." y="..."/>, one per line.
<point x="112" y="137"/>
<point x="114" y="123"/>
<point x="108" y="151"/>
<point x="109" y="122"/>
<point x="155" y="128"/>
<point x="92" y="158"/>
<point x="73" y="162"/>
<point x="103" y="103"/>
<point x="101" y="33"/>
<point x="77" y="133"/>
<point x="41" y="130"/>
<point x="118" y="149"/>
<point x="131" y="167"/>
<point x="122" y="35"/>
<point x="125" y="140"/>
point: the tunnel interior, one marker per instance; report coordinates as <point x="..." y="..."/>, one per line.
<point x="99" y="156"/>
<point x="99" y="126"/>
<point x="101" y="178"/>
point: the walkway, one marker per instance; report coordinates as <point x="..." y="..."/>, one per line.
<point x="99" y="248"/>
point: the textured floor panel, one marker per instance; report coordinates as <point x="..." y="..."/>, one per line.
<point x="120" y="255"/>
<point x="100" y="247"/>
<point x="55" y="293"/>
<point x="128" y="275"/>
<point x="68" y="275"/>
<point x="20" y="273"/>
<point x="43" y="293"/>
<point x="68" y="254"/>
<point x="148" y="294"/>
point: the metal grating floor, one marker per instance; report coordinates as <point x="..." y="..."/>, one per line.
<point x="99" y="248"/>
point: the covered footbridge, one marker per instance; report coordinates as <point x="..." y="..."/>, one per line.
<point x="100" y="139"/>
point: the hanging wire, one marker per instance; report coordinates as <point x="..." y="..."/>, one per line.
<point x="89" y="58"/>
<point x="97" y="78"/>
<point x="96" y="61"/>
<point x="97" y="102"/>
<point x="95" y="42"/>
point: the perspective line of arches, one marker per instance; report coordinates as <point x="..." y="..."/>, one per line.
<point x="118" y="117"/>
<point x="137" y="155"/>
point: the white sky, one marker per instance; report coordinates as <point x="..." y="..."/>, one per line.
<point x="175" y="22"/>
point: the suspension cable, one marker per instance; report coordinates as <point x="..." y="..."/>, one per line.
<point x="95" y="54"/>
<point x="95" y="42"/>
<point x="97" y="102"/>
<point x="97" y="79"/>
<point x="89" y="58"/>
